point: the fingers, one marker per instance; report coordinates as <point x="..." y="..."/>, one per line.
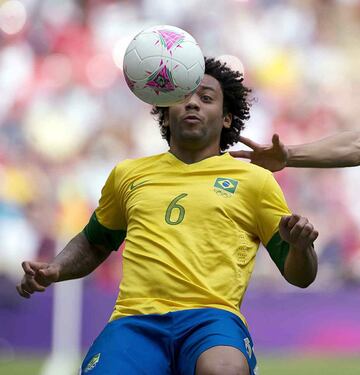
<point x="294" y="219"/>
<point x="47" y="276"/>
<point x="248" y="142"/>
<point x="300" y="228"/>
<point x="37" y="277"/>
<point x="281" y="150"/>
<point x="284" y="221"/>
<point x="276" y="140"/>
<point x="27" y="268"/>
<point x="241" y="154"/>
<point x="313" y="235"/>
<point x="22" y="292"/>
<point x="30" y="268"/>
<point x="297" y="231"/>
<point x="28" y="286"/>
<point x="277" y="143"/>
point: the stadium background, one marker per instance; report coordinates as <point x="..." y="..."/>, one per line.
<point x="66" y="117"/>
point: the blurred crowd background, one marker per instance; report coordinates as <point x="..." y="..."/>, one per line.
<point x="67" y="116"/>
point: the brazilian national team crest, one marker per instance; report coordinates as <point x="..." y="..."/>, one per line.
<point x="94" y="360"/>
<point x="225" y="187"/>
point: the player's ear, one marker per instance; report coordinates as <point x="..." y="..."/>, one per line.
<point x="227" y="120"/>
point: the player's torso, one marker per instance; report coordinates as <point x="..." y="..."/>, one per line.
<point x="189" y="227"/>
<point x="192" y="203"/>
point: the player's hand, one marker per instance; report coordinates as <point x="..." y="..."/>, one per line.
<point x="273" y="157"/>
<point x="297" y="231"/>
<point x="38" y="276"/>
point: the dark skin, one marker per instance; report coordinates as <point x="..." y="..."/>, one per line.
<point x="78" y="259"/>
<point x="195" y="128"/>
<point x="196" y="124"/>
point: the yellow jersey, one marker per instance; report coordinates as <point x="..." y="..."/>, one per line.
<point x="192" y="231"/>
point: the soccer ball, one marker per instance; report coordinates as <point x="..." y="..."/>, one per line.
<point x="163" y="65"/>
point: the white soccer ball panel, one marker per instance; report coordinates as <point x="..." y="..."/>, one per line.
<point x="141" y="69"/>
<point x="181" y="77"/>
<point x="196" y="73"/>
<point x="131" y="65"/>
<point x="188" y="53"/>
<point x="148" y="44"/>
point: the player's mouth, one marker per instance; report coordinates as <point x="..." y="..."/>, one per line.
<point x="192" y="119"/>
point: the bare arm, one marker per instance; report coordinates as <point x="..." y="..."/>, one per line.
<point x="301" y="262"/>
<point x="340" y="150"/>
<point x="77" y="259"/>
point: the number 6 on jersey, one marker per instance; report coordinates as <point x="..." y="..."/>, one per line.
<point x="180" y="211"/>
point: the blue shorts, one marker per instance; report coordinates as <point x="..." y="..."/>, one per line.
<point x="167" y="344"/>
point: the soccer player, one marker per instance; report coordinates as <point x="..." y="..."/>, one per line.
<point x="193" y="219"/>
<point x="339" y="150"/>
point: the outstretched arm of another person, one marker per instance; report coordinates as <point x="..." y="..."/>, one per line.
<point x="77" y="259"/>
<point x="301" y="262"/>
<point x="336" y="151"/>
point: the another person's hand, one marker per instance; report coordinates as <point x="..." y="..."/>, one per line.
<point x="297" y="231"/>
<point x="38" y="276"/>
<point x="272" y="157"/>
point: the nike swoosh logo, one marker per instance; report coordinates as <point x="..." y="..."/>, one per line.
<point x="133" y="185"/>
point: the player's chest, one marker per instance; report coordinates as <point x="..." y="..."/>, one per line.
<point x="186" y="198"/>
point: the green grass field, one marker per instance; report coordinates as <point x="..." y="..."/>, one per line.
<point x="268" y="366"/>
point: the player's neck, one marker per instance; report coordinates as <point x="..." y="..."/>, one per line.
<point x="190" y="156"/>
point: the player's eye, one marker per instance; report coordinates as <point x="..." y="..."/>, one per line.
<point x="206" y="98"/>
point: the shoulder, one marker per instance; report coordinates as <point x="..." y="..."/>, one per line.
<point x="246" y="167"/>
<point x="128" y="170"/>
<point x="131" y="165"/>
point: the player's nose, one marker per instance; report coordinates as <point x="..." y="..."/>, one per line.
<point x="192" y="102"/>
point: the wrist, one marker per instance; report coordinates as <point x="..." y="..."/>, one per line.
<point x="55" y="271"/>
<point x="302" y="248"/>
<point x="289" y="162"/>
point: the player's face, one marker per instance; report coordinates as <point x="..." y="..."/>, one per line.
<point x="199" y="120"/>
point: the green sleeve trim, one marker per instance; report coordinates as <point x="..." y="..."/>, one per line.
<point x="97" y="234"/>
<point x="278" y="250"/>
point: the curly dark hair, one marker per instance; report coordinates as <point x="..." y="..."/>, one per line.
<point x="236" y="102"/>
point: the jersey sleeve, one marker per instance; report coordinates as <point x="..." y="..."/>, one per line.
<point x="271" y="207"/>
<point x="107" y="225"/>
